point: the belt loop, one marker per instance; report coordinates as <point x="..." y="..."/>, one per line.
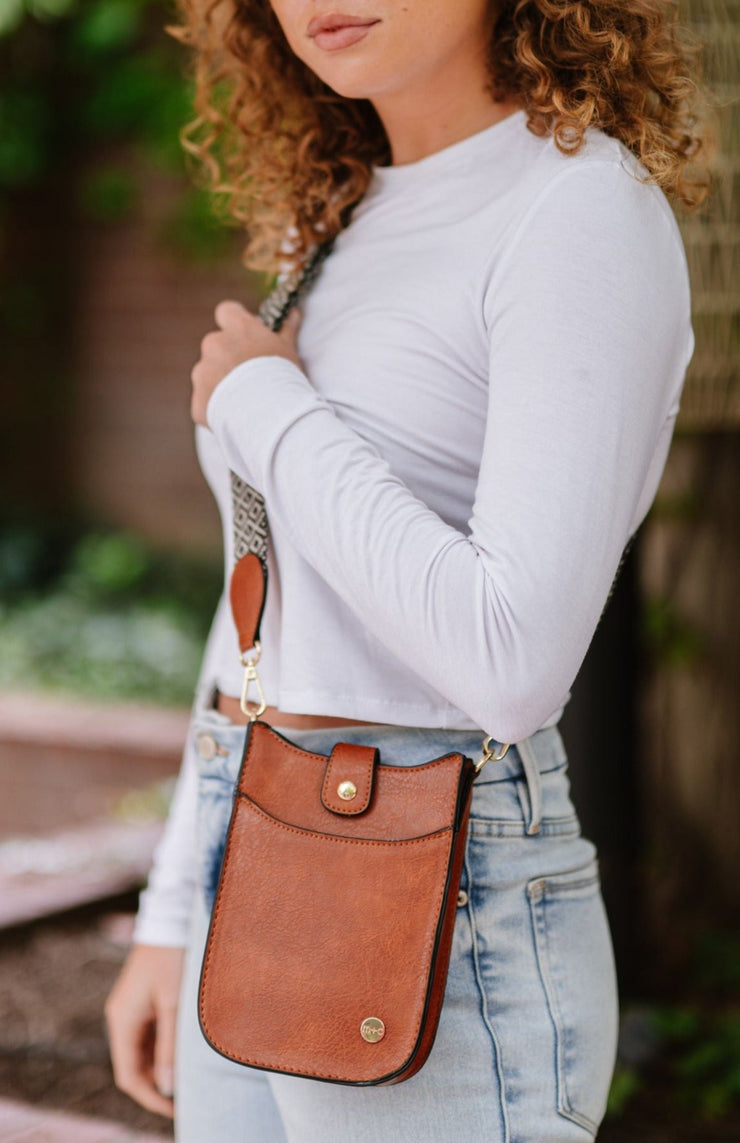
<point x="534" y="784"/>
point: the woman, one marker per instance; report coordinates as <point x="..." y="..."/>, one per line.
<point x="455" y="443"/>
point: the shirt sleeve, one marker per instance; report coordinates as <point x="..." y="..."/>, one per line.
<point x="588" y="320"/>
<point x="163" y="916"/>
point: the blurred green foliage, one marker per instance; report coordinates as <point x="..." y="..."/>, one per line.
<point x="692" y="1041"/>
<point x="704" y="1057"/>
<point x="93" y="97"/>
<point x="626" y="1081"/>
<point x="81" y="78"/>
<point x="672" y="640"/>
<point x="99" y="613"/>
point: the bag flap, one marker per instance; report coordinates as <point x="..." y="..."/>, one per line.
<point x="348" y="779"/>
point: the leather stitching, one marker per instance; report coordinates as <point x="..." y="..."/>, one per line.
<point x="363" y="794"/>
<point x="367" y="841"/>
<point x="207" y="961"/>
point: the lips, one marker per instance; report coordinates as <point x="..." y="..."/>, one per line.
<point x="334" y="21"/>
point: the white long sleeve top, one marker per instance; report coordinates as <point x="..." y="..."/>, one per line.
<point x="493" y="356"/>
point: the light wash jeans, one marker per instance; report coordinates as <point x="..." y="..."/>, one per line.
<point x="528" y="1033"/>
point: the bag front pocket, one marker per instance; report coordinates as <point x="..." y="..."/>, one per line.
<point x="314" y="937"/>
<point x="576" y="965"/>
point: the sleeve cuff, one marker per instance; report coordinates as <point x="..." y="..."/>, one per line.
<point x="154" y="927"/>
<point x="253" y="406"/>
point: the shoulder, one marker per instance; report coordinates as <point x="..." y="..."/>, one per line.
<point x="593" y="244"/>
<point x="603" y="185"/>
<point x="586" y="214"/>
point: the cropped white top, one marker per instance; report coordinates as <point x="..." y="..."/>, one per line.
<point x="493" y="358"/>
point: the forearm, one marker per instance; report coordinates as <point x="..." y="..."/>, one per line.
<point x="435" y="597"/>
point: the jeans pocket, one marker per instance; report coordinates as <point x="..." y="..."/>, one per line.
<point x="576" y="965"/>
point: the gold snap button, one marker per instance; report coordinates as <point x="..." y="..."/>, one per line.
<point x="462" y="898"/>
<point x="347" y="791"/>
<point x="207" y="746"/>
<point x="372" y="1029"/>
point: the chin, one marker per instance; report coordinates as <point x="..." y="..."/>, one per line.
<point x="350" y="89"/>
<point x="351" y="83"/>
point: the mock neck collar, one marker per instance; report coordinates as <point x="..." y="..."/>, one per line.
<point x="453" y="157"/>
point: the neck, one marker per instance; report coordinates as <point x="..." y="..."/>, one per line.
<point x="428" y="117"/>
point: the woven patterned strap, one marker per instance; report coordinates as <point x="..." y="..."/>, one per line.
<point x="248" y="507"/>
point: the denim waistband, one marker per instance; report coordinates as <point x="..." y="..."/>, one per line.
<point x="399" y="746"/>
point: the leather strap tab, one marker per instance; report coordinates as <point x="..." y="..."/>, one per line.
<point x="247" y="593"/>
<point x="348" y="781"/>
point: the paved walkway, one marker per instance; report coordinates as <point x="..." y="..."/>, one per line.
<point x="27" y="716"/>
<point x="85" y="790"/>
<point x="41" y="876"/>
<point x="22" y="1124"/>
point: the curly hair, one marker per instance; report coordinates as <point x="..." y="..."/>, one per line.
<point x="287" y="154"/>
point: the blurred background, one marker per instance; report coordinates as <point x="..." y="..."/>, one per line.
<point x="111" y="261"/>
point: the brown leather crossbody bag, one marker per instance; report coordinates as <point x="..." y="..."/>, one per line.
<point x="330" y="935"/>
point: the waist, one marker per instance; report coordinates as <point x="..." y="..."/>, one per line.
<point x="230" y="706"/>
<point x="219" y="744"/>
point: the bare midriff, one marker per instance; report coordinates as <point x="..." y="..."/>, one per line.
<point x="230" y="705"/>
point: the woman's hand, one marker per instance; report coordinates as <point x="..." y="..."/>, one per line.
<point x="241" y="336"/>
<point x="141" y="1014"/>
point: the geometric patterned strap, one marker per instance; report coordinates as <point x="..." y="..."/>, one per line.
<point x="250" y="520"/>
<point x="248" y="506"/>
<point x="620" y="565"/>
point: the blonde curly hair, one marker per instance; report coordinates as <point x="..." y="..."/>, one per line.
<point x="286" y="153"/>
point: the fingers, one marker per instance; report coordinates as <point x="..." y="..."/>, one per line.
<point x="288" y="331"/>
<point x="292" y="321"/>
<point x="228" y="311"/>
<point x="164" y="1049"/>
<point x="241" y="337"/>
<point x="132" y="1042"/>
<point x="140" y="1016"/>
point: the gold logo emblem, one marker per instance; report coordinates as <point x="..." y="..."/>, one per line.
<point x="372" y="1029"/>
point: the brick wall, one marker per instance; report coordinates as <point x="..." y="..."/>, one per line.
<point x="140" y="314"/>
